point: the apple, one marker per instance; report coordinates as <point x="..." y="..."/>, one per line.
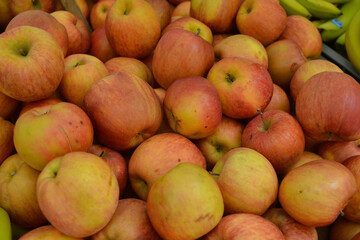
<point x="193" y="25"/>
<point x="46" y="232"/>
<point x="352" y="209"/>
<point x="45" y="21"/>
<point x="78" y="35"/>
<point x="307" y="70"/>
<point x="185" y="203"/>
<point x="315" y="193"/>
<point x="26" y="46"/>
<point x="218" y="15"/>
<point x="305" y="158"/>
<point x="218" y="37"/>
<point x="124" y="110"/>
<point x="181" y="10"/>
<point x="100" y="46"/>
<point x="227" y="136"/>
<point x="5" y="14"/>
<point x="130" y="221"/>
<point x="243" y="46"/>
<point x="261" y="19"/>
<point x="192" y="106"/>
<point x="327" y="114"/>
<point x="339" y="151"/>
<point x="81" y="72"/>
<point x="356" y="237"/>
<point x="132" y="28"/>
<point x="245" y="226"/>
<point x="276" y="135"/>
<point x="285" y="57"/>
<point x="130" y="65"/>
<point x="40" y="103"/>
<point x="46" y="132"/>
<point x="18" y="192"/>
<point x="181" y="53"/>
<point x="279" y="100"/>
<point x="164" y="128"/>
<point x="244" y="87"/>
<point x="157" y="155"/>
<point x="19" y="6"/>
<point x="99" y="12"/>
<point x="343" y="229"/>
<point x="247" y="180"/>
<point x="311" y="145"/>
<point x="289" y="227"/>
<point x="116" y="162"/>
<point x="8" y="106"/>
<point x="6" y="139"/>
<point x="305" y="34"/>
<point x="163" y="10"/>
<point x="84" y="8"/>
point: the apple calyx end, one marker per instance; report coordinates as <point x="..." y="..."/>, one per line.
<point x="229" y="78"/>
<point x="13" y="173"/>
<point x="198" y="32"/>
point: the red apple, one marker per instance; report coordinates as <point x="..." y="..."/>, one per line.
<point x="6" y="139"/>
<point x="99" y="12"/>
<point x="8" y="106"/>
<point x="40" y="103"/>
<point x="84" y="8"/>
<point x="352" y="209"/>
<point x="279" y="100"/>
<point x="19" y="6"/>
<point x="100" y="46"/>
<point x="305" y="158"/>
<point x="163" y="10"/>
<point x="181" y="10"/>
<point x="46" y="232"/>
<point x="343" y="229"/>
<point x="339" y="151"/>
<point x="324" y="112"/>
<point x="311" y="145"/>
<point x="217" y="38"/>
<point x="164" y="128"/>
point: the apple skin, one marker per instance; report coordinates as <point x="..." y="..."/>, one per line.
<point x="244" y="87"/>
<point x="343" y="229"/>
<point x="193" y="108"/>
<point x="181" y="10"/>
<point x="43" y="133"/>
<point x="6" y="139"/>
<point x="157" y="155"/>
<point x="81" y="72"/>
<point x="78" y="35"/>
<point x="113" y="104"/>
<point x="132" y="32"/>
<point x="243" y="46"/>
<point x="100" y="46"/>
<point x="163" y="10"/>
<point x="130" y="65"/>
<point x="130" y="221"/>
<point x="99" y="12"/>
<point x="8" y="106"/>
<point x="164" y="128"/>
<point x="218" y="15"/>
<point x="116" y="162"/>
<point x="46" y="232"/>
<point x="29" y="46"/>
<point x="218" y="37"/>
<point x="64" y="185"/>
<point x="40" y="103"/>
<point x="19" y="6"/>
<point x="45" y="21"/>
<point x="339" y="151"/>
<point x="285" y="57"/>
<point x="318" y="101"/>
<point x="263" y="20"/>
<point x="247" y="180"/>
<point x="227" y="136"/>
<point x="181" y="53"/>
<point x="305" y="34"/>
<point x="282" y="143"/>
<point x="279" y="100"/>
<point x="245" y="226"/>
<point x="305" y="158"/>
<point x="5" y="14"/>
<point x="352" y="209"/>
<point x="289" y="227"/>
<point x="84" y="8"/>
<point x="185" y="203"/>
<point x="18" y="192"/>
<point x="315" y="193"/>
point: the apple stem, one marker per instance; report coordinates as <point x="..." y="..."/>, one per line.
<point x="13" y="173"/>
<point x="22" y="52"/>
<point x="101" y="154"/>
<point x="330" y="136"/>
<point x="262" y="119"/>
<point x="198" y="32"/>
<point x="342" y="213"/>
<point x="214" y="174"/>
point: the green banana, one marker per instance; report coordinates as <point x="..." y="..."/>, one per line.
<point x="5" y="225"/>
<point x="352" y="41"/>
<point x="320" y="8"/>
<point x="293" y="7"/>
<point x="338" y="1"/>
<point x="340" y="42"/>
<point x="333" y="28"/>
<point x="318" y="22"/>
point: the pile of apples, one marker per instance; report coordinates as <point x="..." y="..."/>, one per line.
<point x="175" y="119"/>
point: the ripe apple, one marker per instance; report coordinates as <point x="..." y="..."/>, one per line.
<point x="124" y="110"/>
<point x="305" y="158"/>
<point x="261" y="19"/>
<point x="84" y="8"/>
<point x="50" y="131"/>
<point x="46" y="232"/>
<point x="343" y="229"/>
<point x="6" y="139"/>
<point x="352" y="209"/>
<point x="181" y="10"/>
<point x="243" y="46"/>
<point x="19" y="6"/>
<point x="245" y="226"/>
<point x="78" y="35"/>
<point x="163" y="10"/>
<point x="247" y="180"/>
<point x="311" y="145"/>
<point x="83" y="184"/>
<point x="289" y="227"/>
<point x="8" y="106"/>
<point x="305" y="34"/>
<point x="99" y="12"/>
<point x="192" y="106"/>
<point x="26" y="46"/>
<point x="116" y="162"/>
<point x="164" y="128"/>
<point x="100" y="46"/>
<point x="315" y="193"/>
<point x="156" y="156"/>
<point x="285" y="57"/>
<point x="218" y="37"/>
<point x="185" y="203"/>
<point x="279" y="100"/>
<point x="41" y="103"/>
<point x="244" y="87"/>
<point x="339" y="151"/>
<point x="130" y="221"/>
<point x="226" y="137"/>
<point x="81" y="72"/>
<point x="18" y="192"/>
<point x="327" y="114"/>
<point x="45" y="21"/>
<point x="276" y="135"/>
<point x="132" y="28"/>
<point x="181" y="53"/>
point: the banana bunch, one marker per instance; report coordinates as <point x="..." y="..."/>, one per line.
<point x="352" y="41"/>
<point x="5" y="226"/>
